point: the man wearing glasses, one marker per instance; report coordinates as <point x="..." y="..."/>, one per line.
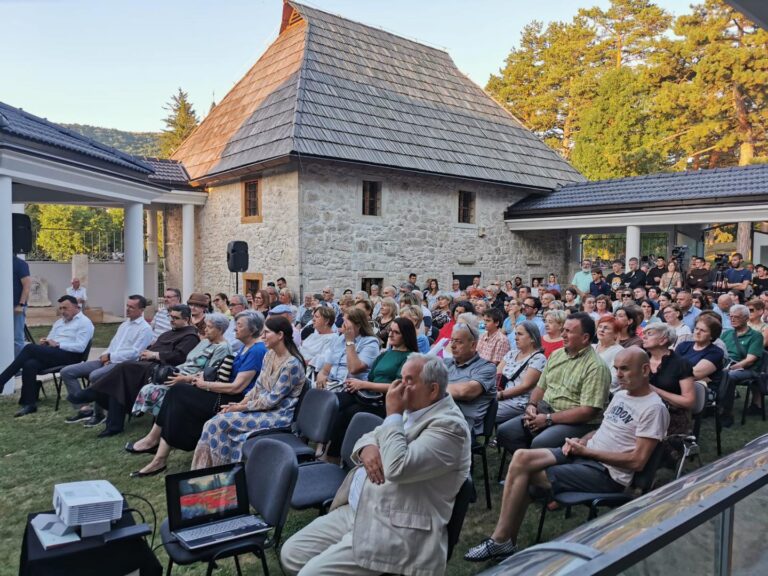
<point x="531" y="307"/>
<point x="745" y="348"/>
<point x="237" y="304"/>
<point x="162" y="322"/>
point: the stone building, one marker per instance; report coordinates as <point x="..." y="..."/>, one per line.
<point x="348" y="154"/>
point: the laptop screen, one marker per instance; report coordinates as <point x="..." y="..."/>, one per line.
<point x="207" y="495"/>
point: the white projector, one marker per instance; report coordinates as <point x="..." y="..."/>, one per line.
<point x="93" y="505"/>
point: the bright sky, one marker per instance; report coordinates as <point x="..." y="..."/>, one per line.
<point x="115" y="63"/>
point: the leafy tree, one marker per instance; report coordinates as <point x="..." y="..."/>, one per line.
<point x="63" y="231"/>
<point x="180" y="123"/>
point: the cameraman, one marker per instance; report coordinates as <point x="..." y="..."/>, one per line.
<point x="737" y="278"/>
<point x="698" y="276"/>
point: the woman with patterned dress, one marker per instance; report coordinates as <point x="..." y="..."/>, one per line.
<point x="269" y="404"/>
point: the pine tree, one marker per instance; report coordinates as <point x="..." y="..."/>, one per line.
<point x="180" y="123"/>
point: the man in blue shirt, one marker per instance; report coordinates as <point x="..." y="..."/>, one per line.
<point x="690" y="312"/>
<point x="21" y="284"/>
<point x="737" y="278"/>
<point x="583" y="278"/>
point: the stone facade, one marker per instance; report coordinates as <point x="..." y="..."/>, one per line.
<point x="313" y="231"/>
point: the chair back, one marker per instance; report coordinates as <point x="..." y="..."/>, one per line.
<point x="643" y="480"/>
<point x="271" y="474"/>
<point x="361" y="423"/>
<point x="87" y="351"/>
<point x="460" y="507"/>
<point x="701" y="398"/>
<point x="489" y="422"/>
<point x="307" y="385"/>
<point x="318" y="411"/>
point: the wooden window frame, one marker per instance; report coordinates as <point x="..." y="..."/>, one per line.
<point x="469" y="212"/>
<point x="244" y="217"/>
<point x="366" y="199"/>
<point x="252" y="277"/>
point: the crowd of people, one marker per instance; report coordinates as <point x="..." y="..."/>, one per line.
<point x="589" y="377"/>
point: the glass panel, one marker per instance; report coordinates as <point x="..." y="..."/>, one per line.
<point x="750" y="555"/>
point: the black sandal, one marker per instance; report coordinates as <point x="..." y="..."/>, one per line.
<point x="129" y="448"/>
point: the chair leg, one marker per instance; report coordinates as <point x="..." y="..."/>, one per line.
<point x="747" y="394"/>
<point x="718" y="430"/>
<point x="486" y="480"/>
<point x="57" y="384"/>
<point x="263" y="556"/>
<point x="211" y="566"/>
<point x="542" y="516"/>
<point x="237" y="566"/>
<point x="501" y="465"/>
<point x="686" y="453"/>
<point x="592" y="512"/>
<point x="170" y="567"/>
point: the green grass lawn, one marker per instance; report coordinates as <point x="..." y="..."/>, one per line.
<point x="101" y="336"/>
<point x="40" y="450"/>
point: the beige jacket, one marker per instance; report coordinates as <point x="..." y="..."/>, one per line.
<point x="400" y="526"/>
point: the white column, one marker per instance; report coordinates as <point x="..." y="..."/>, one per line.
<point x="187" y="250"/>
<point x="134" y="249"/>
<point x="6" y="280"/>
<point x="633" y="242"/>
<point x="152" y="236"/>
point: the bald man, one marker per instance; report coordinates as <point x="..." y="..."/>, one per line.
<point x="605" y="460"/>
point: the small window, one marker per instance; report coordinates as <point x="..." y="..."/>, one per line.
<point x="251" y="204"/>
<point x="366" y="284"/>
<point x="252" y="282"/>
<point x="466" y="207"/>
<point x="371" y="198"/>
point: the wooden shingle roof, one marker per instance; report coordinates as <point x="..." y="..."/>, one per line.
<point x="332" y="88"/>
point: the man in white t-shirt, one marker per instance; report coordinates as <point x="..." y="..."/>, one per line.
<point x="635" y="421"/>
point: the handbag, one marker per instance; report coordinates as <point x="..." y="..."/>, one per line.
<point x="161" y="372"/>
<point x="505" y="380"/>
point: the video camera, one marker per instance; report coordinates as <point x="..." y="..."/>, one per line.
<point x="722" y="261"/>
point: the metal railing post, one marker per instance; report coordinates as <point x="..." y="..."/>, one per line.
<point x="724" y="544"/>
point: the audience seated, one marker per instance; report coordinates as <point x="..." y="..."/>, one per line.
<point x="237" y="303"/>
<point x="187" y="407"/>
<point x="65" y="344"/>
<point x="269" y="404"/>
<point x="390" y="514"/>
<point x="368" y="395"/>
<point x="161" y="322"/>
<point x="608" y="346"/>
<point x="635" y="421"/>
<point x="131" y="338"/>
<point x="673" y="317"/>
<point x="221" y="305"/>
<point x="351" y="353"/>
<point x="459" y="308"/>
<point x="552" y="338"/>
<point x="702" y="353"/>
<point x="413" y="313"/>
<point x="629" y="318"/>
<point x="569" y="397"/>
<point x="198" y="304"/>
<point x="471" y="380"/>
<point x="314" y="346"/>
<point x="493" y="344"/>
<point x="745" y="349"/>
<point x="117" y="389"/>
<point x="388" y="312"/>
<point x="519" y="372"/>
<point x="441" y="312"/>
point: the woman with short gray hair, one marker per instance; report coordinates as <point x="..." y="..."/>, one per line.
<point x="519" y="372"/>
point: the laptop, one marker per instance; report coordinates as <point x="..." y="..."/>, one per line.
<point x="210" y="506"/>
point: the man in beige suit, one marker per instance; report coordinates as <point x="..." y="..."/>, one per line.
<point x="391" y="512"/>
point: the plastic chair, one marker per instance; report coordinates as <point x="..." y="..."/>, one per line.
<point x="314" y="416"/>
<point x="318" y="481"/>
<point x="55" y="372"/>
<point x="269" y="492"/>
<point x="642" y="482"/>
<point x="481" y="449"/>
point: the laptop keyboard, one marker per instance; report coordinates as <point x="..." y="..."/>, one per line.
<point x="208" y="530"/>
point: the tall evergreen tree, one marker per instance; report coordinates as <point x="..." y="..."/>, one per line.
<point x="180" y="122"/>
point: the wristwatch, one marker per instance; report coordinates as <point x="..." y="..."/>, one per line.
<point x="549" y="420"/>
<point x="350" y="342"/>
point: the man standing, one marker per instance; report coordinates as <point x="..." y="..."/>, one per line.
<point x="133" y="336"/>
<point x="65" y="344"/>
<point x="598" y="285"/>
<point x="635" y="422"/>
<point x="737" y="278"/>
<point x="161" y="323"/>
<point x="583" y="278"/>
<point x="412" y="280"/>
<point x="690" y="312"/>
<point x="412" y="466"/>
<point x="654" y="275"/>
<point x="634" y="277"/>
<point x="698" y="276"/>
<point x="78" y="292"/>
<point x="616" y="279"/>
<point x="745" y="349"/>
<point x="21" y="285"/>
<point x="471" y="380"/>
<point x="569" y="397"/>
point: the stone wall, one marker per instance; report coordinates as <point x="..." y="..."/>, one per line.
<point x="172" y="236"/>
<point x="417" y="231"/>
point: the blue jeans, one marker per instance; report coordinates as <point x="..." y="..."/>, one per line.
<point x="18" y="331"/>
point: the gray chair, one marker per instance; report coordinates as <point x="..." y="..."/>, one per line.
<point x="269" y="492"/>
<point x="314" y="418"/>
<point x="318" y="481"/>
<point x="762" y="368"/>
<point x="689" y="442"/>
<point x="55" y="370"/>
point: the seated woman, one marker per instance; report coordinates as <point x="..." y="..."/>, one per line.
<point x="671" y="376"/>
<point x="269" y="404"/>
<point x="441" y="313"/>
<point x="671" y="278"/>
<point x="414" y="314"/>
<point x="314" y="347"/>
<point x="554" y="320"/>
<point x="603" y="306"/>
<point x="756" y="311"/>
<point x="520" y="371"/>
<point x="188" y="406"/>
<point x="261" y="301"/>
<point x="629" y="318"/>
<point x="221" y="304"/>
<point x="368" y="395"/>
<point x="673" y="316"/>
<point x="649" y="313"/>
<point x="351" y="353"/>
<point x="589" y="306"/>
<point x="570" y="297"/>
<point x="702" y="352"/>
<point x="608" y="346"/>
<point x="387" y="313"/>
<point x="459" y="307"/>
<point x="552" y="283"/>
<point x="209" y="352"/>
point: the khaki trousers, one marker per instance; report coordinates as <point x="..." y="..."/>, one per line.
<point x="324" y="547"/>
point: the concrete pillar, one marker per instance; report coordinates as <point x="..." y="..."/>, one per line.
<point x="6" y="280"/>
<point x="633" y="242"/>
<point x="187" y="250"/>
<point x="134" y="249"/>
<point x="152" y="236"/>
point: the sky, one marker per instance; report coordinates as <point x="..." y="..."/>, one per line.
<point x="116" y="63"/>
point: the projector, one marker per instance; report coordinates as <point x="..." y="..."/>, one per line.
<point x="93" y="505"/>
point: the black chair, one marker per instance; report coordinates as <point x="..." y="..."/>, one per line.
<point x="762" y="368"/>
<point x="55" y="370"/>
<point x="481" y="448"/>
<point x="269" y="492"/>
<point x="318" y="481"/>
<point x="460" y="507"/>
<point x="314" y="418"/>
<point x="642" y="482"/>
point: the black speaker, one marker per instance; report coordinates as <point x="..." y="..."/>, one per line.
<point x="22" y="234"/>
<point x="237" y="256"/>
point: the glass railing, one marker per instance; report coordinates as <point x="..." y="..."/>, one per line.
<point x="711" y="521"/>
